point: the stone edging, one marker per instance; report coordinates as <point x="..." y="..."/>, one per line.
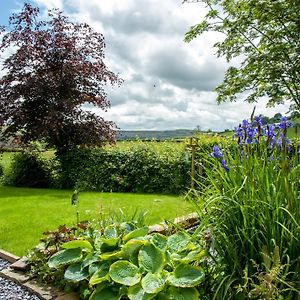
<point x="44" y="292"/>
<point x="16" y="275"/>
<point x="8" y="256"/>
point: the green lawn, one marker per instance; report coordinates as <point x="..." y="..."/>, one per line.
<point x="26" y="213"/>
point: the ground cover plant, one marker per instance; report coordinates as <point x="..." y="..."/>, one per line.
<point x="252" y="206"/>
<point x="25" y="213"/>
<point x="123" y="261"/>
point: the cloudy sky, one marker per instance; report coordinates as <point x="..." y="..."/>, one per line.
<point x="168" y="84"/>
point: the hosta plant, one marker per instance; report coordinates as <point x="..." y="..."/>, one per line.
<point x="125" y="262"/>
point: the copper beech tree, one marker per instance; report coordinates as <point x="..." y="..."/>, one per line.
<point x="55" y="67"/>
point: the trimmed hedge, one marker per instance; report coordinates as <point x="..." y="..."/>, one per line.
<point x="140" y="169"/>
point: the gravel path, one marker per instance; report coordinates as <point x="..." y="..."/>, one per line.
<point x="10" y="290"/>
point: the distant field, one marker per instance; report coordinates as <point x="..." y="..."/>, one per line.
<point x="167" y="146"/>
<point x="291" y="132"/>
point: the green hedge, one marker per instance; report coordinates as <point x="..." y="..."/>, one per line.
<point x="29" y="170"/>
<point x="140" y="169"/>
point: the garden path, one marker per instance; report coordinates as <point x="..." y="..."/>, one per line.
<point x="9" y="290"/>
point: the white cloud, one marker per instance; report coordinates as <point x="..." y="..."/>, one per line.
<point x="168" y="83"/>
<point x="50" y="4"/>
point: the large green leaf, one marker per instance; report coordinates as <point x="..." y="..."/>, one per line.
<point x="174" y="293"/>
<point x="153" y="283"/>
<point x="115" y="255"/>
<point x="132" y="246"/>
<point x="127" y="227"/>
<point x="65" y="257"/>
<point x="136" y="233"/>
<point x="189" y="256"/>
<point x="186" y="276"/>
<point x="124" y="272"/>
<point x="105" y="294"/>
<point x="98" y="277"/>
<point x="90" y="259"/>
<point x="95" y="267"/>
<point x="109" y="245"/>
<point x="136" y="292"/>
<point x="178" y="241"/>
<point x="111" y="232"/>
<point x="76" y="273"/>
<point x="151" y="258"/>
<point x="159" y="241"/>
<point x="78" y="244"/>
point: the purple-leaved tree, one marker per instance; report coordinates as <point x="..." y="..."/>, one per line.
<point x="55" y="67"/>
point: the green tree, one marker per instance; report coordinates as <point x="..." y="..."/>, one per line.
<point x="265" y="34"/>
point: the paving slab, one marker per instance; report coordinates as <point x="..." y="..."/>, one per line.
<point x="15" y="276"/>
<point x="8" y="256"/>
<point x="44" y="292"/>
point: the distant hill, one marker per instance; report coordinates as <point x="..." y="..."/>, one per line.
<point x="154" y="134"/>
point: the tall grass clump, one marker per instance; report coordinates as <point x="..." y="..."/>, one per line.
<point x="252" y="211"/>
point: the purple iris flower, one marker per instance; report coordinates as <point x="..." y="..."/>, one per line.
<point x="273" y="141"/>
<point x="224" y="165"/>
<point x="250" y="132"/>
<point x="258" y="121"/>
<point x="270" y="132"/>
<point x="245" y="123"/>
<point x="216" y="153"/>
<point x="239" y="133"/>
<point x="284" y="123"/>
<point x="219" y="156"/>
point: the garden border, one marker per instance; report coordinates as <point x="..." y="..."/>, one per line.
<point x="16" y="271"/>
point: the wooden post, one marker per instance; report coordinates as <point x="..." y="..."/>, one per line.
<point x="193" y="144"/>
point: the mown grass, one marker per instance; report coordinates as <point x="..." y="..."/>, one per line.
<point x="26" y="213"/>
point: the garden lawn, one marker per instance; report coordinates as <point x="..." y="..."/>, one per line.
<point x="26" y="213"/>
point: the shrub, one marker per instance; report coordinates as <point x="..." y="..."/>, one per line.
<point x="122" y="261"/>
<point x="29" y="170"/>
<point x="138" y="169"/>
<point x="252" y="207"/>
<point x="1" y="171"/>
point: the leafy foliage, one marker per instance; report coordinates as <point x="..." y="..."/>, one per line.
<point x="30" y="170"/>
<point x="50" y="244"/>
<point x="1" y="171"/>
<point x="138" y="169"/>
<point x="124" y="261"/>
<point x="253" y="210"/>
<point x="265" y="34"/>
<point x="56" y="67"/>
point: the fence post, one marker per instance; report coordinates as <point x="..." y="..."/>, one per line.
<point x="193" y="144"/>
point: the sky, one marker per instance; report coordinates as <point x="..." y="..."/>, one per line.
<point x="168" y="83"/>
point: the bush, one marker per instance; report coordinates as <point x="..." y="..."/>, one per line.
<point x="138" y="169"/>
<point x="121" y="261"/>
<point x="252" y="207"/>
<point x="28" y="170"/>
